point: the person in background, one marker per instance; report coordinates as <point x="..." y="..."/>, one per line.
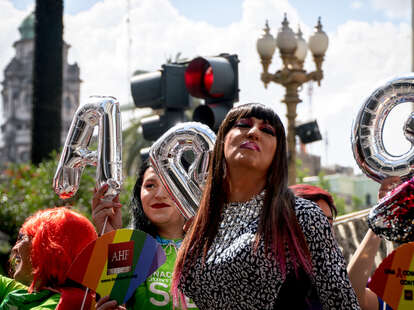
<point x="362" y="262"/>
<point x="154" y="212"/>
<point x="48" y="243"/>
<point x="318" y="195"/>
<point x="253" y="244"/>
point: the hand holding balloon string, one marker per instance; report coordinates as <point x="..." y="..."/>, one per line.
<point x="387" y="185"/>
<point x="106" y="210"/>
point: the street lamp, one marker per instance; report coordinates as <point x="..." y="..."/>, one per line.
<point x="293" y="49"/>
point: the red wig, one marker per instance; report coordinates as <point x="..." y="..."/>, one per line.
<point x="314" y="194"/>
<point x="58" y="235"/>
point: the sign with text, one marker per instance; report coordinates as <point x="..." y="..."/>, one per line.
<point x="393" y="280"/>
<point x="116" y="263"/>
<point x="120" y="257"/>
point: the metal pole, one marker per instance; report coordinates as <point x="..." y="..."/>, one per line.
<point x="291" y="100"/>
<point x="412" y="43"/>
<point x="412" y="35"/>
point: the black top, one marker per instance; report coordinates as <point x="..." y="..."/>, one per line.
<point x="235" y="277"/>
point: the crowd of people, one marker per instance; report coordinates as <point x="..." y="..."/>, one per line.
<point x="255" y="243"/>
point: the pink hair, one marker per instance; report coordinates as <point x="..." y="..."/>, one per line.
<point x="58" y="235"/>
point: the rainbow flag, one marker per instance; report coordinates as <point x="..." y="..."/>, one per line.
<point x="116" y="263"/>
<point x="393" y="280"/>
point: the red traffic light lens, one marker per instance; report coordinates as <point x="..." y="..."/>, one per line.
<point x="209" y="81"/>
<point x="199" y="79"/>
<point x="208" y="78"/>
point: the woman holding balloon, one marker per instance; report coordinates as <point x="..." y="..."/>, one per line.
<point x="362" y="262"/>
<point x="252" y="245"/>
<point x="154" y="212"/>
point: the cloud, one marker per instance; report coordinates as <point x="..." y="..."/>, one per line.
<point x="356" y="4"/>
<point x="360" y="54"/>
<point x="393" y="9"/>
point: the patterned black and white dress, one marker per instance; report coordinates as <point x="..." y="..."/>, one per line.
<point x="235" y="277"/>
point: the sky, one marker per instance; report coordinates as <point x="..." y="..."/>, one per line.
<point x="369" y="43"/>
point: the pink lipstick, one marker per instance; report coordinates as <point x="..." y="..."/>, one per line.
<point x="250" y="146"/>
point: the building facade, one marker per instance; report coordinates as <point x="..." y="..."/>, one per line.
<point x="15" y="130"/>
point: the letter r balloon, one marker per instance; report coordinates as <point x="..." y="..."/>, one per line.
<point x="104" y="113"/>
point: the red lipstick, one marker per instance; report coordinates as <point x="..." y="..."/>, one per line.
<point x="250" y="146"/>
<point x="160" y="205"/>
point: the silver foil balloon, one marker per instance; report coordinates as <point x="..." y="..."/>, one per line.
<point x="166" y="156"/>
<point x="393" y="216"/>
<point x="104" y="113"/>
<point x="367" y="132"/>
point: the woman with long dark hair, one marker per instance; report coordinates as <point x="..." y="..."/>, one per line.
<point x="252" y="244"/>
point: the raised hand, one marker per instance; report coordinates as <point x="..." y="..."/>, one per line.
<point x="106" y="304"/>
<point x="387" y="185"/>
<point x="102" y="208"/>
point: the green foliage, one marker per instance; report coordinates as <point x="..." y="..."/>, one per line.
<point x="26" y="188"/>
<point x="301" y="172"/>
<point x="339" y="201"/>
<point x="357" y="202"/>
<point x="339" y="204"/>
<point x="322" y="183"/>
<point x="133" y="142"/>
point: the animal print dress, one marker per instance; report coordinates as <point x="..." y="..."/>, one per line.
<point x="236" y="277"/>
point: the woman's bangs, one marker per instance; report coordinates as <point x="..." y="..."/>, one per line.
<point x="259" y="111"/>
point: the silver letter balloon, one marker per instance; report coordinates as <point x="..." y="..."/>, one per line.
<point x="367" y="133"/>
<point x="166" y="156"/>
<point x="104" y="113"/>
<point x="393" y="216"/>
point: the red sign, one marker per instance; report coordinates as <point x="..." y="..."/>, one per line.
<point x="120" y="257"/>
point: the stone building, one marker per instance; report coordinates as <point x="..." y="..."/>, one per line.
<point x="15" y="129"/>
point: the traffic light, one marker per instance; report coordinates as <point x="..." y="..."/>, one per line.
<point x="214" y="79"/>
<point x="164" y="89"/>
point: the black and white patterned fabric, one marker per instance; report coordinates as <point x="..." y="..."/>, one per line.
<point x="236" y="277"/>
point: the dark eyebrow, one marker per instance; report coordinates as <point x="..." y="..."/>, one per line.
<point x="151" y="179"/>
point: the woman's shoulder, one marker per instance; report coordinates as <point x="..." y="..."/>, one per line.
<point x="308" y="212"/>
<point x="304" y="205"/>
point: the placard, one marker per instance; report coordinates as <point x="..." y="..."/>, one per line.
<point x="116" y="263"/>
<point x="393" y="280"/>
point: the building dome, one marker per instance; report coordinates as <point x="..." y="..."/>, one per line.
<point x="26" y="28"/>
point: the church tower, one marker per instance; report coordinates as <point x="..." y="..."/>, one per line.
<point x="15" y="140"/>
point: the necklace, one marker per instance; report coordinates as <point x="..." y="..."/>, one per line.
<point x="168" y="243"/>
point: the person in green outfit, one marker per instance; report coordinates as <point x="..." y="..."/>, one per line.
<point x="47" y="244"/>
<point x="154" y="212"/>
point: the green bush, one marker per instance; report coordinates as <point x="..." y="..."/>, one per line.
<point x="26" y="188"/>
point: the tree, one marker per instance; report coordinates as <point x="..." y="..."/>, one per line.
<point x="26" y="188"/>
<point x="133" y="141"/>
<point x="47" y="79"/>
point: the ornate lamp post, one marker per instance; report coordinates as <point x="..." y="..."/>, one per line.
<point x="293" y="49"/>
